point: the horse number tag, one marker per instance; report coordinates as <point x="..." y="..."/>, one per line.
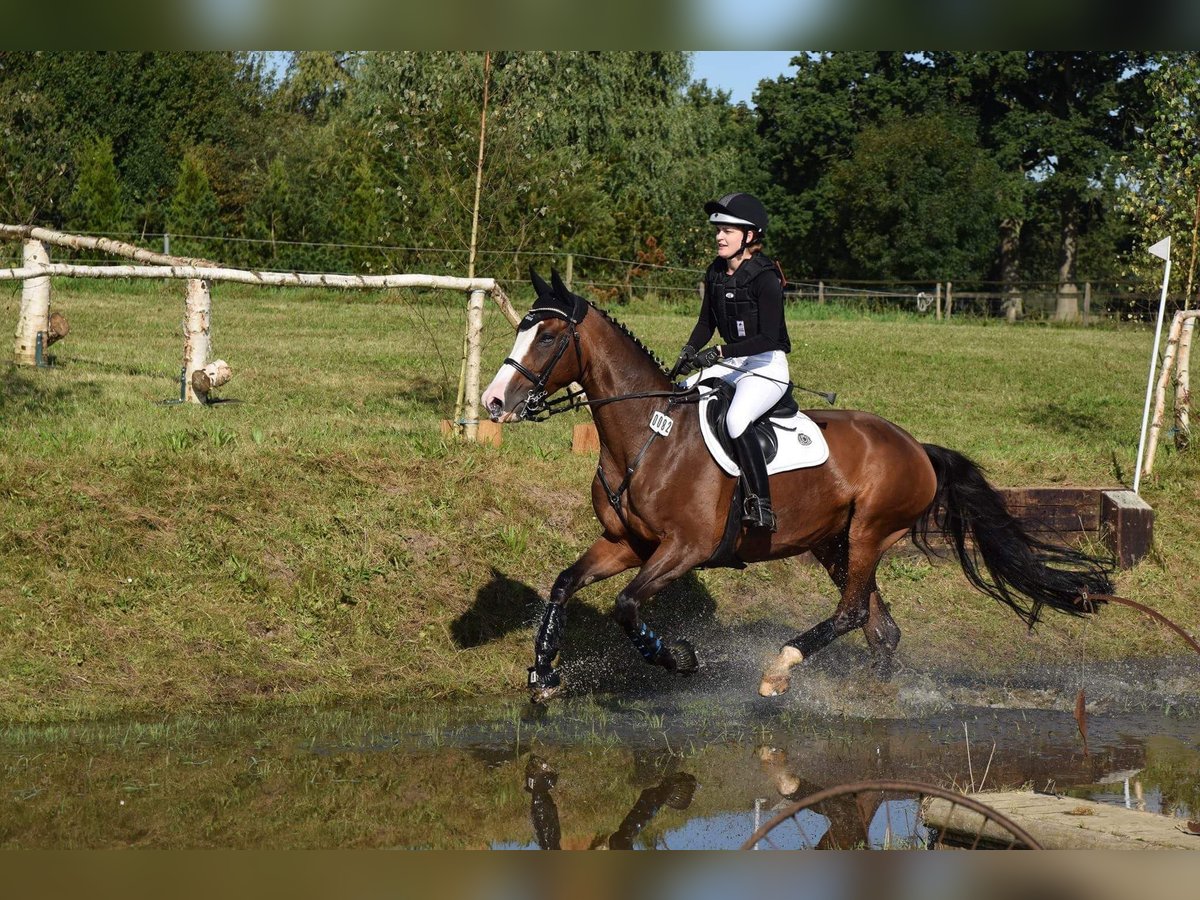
<point x="661" y="423"/>
<point x="741" y="327"/>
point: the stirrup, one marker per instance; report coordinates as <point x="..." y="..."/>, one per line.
<point x="757" y="513"/>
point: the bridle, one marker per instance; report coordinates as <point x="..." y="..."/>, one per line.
<point x="536" y="407"/>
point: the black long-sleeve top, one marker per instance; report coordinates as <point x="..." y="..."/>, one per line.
<point x="768" y="292"/>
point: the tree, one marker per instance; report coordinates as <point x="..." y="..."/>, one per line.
<point x="193" y="209"/>
<point x="95" y="203"/>
<point x="918" y="198"/>
<point x="1162" y="194"/>
<point x="1056" y="122"/>
<point x="808" y="122"/>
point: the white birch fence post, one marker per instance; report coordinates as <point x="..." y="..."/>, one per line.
<point x="196" y="323"/>
<point x="35" y="306"/>
<point x="1160" y="391"/>
<point x="474" y="358"/>
<point x="1183" y="387"/>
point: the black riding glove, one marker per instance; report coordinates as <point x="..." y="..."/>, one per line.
<point x="683" y="364"/>
<point x="706" y="358"/>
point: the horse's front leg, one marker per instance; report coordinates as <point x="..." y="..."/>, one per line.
<point x="603" y="559"/>
<point x="667" y="564"/>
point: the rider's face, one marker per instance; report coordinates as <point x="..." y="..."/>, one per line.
<point x="729" y="240"/>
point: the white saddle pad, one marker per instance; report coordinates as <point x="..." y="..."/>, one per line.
<point x="801" y="443"/>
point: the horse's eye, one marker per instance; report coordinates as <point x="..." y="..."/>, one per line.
<point x="546" y="339"/>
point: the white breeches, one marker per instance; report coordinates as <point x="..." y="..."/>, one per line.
<point x="760" y="380"/>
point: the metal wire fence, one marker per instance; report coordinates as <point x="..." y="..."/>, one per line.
<point x="613" y="280"/>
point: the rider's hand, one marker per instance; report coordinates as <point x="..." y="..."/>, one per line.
<point x="706" y="358"/>
<point x="683" y="365"/>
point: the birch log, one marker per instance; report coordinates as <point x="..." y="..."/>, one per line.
<point x="196" y="322"/>
<point x="35" y="304"/>
<point x="1160" y="392"/>
<point x="1183" y="389"/>
<point x="106" y="245"/>
<point x="474" y="355"/>
<point x="59" y="328"/>
<point x="211" y="377"/>
<point x="246" y="276"/>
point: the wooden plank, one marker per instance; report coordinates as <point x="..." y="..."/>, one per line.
<point x="1063" y="823"/>
<point x="1128" y="523"/>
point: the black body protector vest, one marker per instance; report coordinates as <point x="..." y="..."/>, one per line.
<point x="735" y="309"/>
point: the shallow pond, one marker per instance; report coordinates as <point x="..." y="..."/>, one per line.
<point x="679" y="764"/>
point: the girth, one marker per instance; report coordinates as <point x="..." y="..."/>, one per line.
<point x="718" y="408"/>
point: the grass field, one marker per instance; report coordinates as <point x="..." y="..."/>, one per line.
<point x="318" y="539"/>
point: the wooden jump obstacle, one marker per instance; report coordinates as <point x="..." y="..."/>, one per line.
<point x="1062" y="823"/>
<point x="1122" y="519"/>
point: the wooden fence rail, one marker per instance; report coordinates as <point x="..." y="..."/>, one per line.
<point x="37" y="328"/>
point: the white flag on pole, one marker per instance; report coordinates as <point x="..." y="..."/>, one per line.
<point x="1162" y="249"/>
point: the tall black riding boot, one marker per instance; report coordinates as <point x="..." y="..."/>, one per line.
<point x="757" y="512"/>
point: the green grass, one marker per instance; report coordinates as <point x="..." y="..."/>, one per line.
<point x="319" y="540"/>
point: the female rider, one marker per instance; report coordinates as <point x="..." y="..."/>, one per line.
<point x="743" y="301"/>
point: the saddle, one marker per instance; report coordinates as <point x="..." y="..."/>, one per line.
<point x="717" y="407"/>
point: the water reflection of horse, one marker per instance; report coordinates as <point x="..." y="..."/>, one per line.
<point x="674" y="790"/>
<point x="663" y="502"/>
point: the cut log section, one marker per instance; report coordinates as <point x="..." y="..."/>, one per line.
<point x="211" y="377"/>
<point x="59" y="328"/>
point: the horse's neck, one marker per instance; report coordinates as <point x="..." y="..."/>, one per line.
<point x="622" y="426"/>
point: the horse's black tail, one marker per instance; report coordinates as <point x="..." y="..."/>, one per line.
<point x="1015" y="565"/>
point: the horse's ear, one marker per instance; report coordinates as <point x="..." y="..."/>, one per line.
<point x="560" y="289"/>
<point x="539" y="283"/>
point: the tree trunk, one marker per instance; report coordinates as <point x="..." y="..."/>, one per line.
<point x="197" y="319"/>
<point x="1183" y="391"/>
<point x="1010" y="267"/>
<point x="1067" y="307"/>
<point x="474" y="330"/>
<point x="1160" y="392"/>
<point x="34" y="316"/>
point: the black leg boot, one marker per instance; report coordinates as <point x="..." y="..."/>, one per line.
<point x="757" y="513"/>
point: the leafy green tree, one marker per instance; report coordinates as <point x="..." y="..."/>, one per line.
<point x="1161" y="172"/>
<point x="34" y="147"/>
<point x="95" y="203"/>
<point x="808" y="123"/>
<point x="1056" y="122"/>
<point x="193" y="209"/>
<point x="918" y="198"/>
<point x="153" y="106"/>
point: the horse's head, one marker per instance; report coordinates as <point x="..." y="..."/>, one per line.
<point x="545" y="357"/>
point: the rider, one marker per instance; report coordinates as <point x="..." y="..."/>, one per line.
<point x="743" y="300"/>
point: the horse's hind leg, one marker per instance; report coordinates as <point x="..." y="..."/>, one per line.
<point x="882" y="633"/>
<point x="603" y="559"/>
<point x="851" y="564"/>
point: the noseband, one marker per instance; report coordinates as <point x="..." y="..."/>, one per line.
<point x="536" y="407"/>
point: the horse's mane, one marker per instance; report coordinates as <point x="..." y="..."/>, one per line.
<point x="624" y="329"/>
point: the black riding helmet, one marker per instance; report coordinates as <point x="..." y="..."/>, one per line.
<point x="738" y="209"/>
<point x="744" y="210"/>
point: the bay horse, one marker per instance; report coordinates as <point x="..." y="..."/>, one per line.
<point x="663" y="502"/>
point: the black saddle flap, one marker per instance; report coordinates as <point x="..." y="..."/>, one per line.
<point x="718" y="406"/>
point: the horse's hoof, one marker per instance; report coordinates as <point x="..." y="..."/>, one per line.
<point x="776" y="680"/>
<point x="539" y="696"/>
<point x="774" y="685"/>
<point x="683" y="658"/>
<point x="544" y="686"/>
